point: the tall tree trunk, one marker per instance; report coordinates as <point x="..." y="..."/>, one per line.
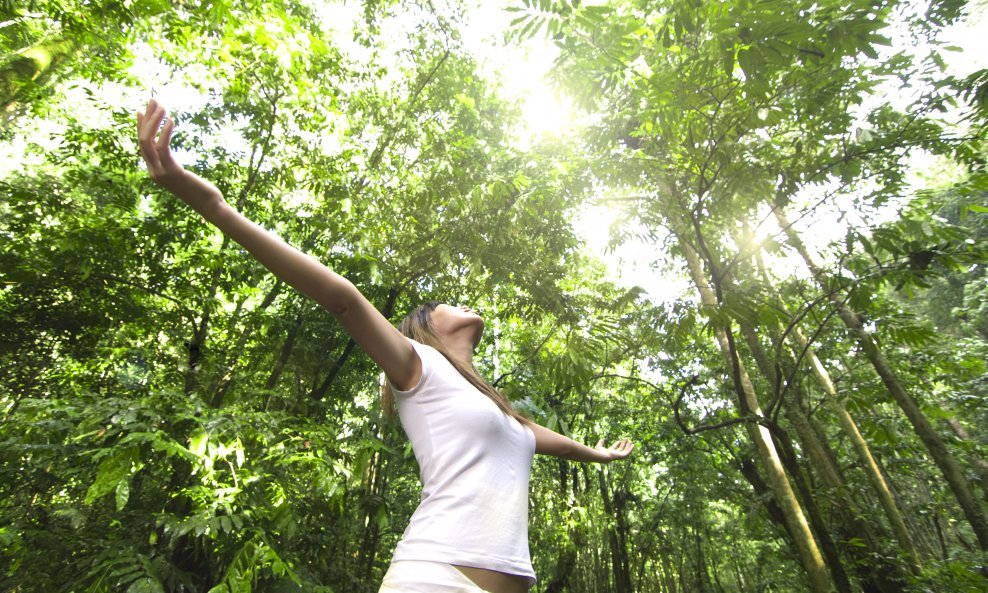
<point x="668" y="574"/>
<point x="320" y="392"/>
<point x="833" y="478"/>
<point x="565" y="564"/>
<point x="871" y="563"/>
<point x="201" y="330"/>
<point x="982" y="466"/>
<point x="829" y="549"/>
<point x="286" y="348"/>
<point x="619" y="552"/>
<point x="31" y="67"/>
<point x="749" y="471"/>
<point x="701" y="578"/>
<point x="736" y="563"/>
<point x="819" y="459"/>
<point x="874" y="474"/>
<point x="949" y="467"/>
<point x="375" y="486"/>
<point x="806" y="547"/>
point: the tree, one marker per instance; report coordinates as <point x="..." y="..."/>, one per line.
<point x="709" y="112"/>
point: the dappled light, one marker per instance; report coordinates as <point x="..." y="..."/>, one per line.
<point x="704" y="282"/>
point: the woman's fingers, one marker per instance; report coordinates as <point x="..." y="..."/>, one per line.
<point x="147" y="127"/>
<point x="165" y="159"/>
<point x="623" y="447"/>
<point x="154" y="139"/>
<point x="165" y="137"/>
<point x="618" y="449"/>
<point x="150" y="121"/>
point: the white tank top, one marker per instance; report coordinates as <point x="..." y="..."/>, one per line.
<point x="474" y="463"/>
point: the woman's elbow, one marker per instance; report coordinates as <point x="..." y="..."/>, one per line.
<point x="340" y="298"/>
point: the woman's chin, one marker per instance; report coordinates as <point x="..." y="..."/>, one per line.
<point x="479" y="333"/>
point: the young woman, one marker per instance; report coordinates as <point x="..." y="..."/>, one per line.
<point x="469" y="533"/>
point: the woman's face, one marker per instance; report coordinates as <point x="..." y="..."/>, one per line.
<point x="451" y="321"/>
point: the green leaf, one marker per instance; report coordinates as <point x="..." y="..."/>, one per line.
<point x="198" y="443"/>
<point x="146" y="584"/>
<point x="112" y="470"/>
<point x="123" y="492"/>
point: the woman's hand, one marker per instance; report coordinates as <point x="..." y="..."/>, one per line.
<point x="618" y="450"/>
<point x="155" y="146"/>
<point x="154" y="140"/>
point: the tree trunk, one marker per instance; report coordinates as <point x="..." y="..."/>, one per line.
<point x="823" y="460"/>
<point x="286" y="348"/>
<point x="961" y="433"/>
<point x="565" y="564"/>
<point x="874" y="571"/>
<point x="201" y="330"/>
<point x="819" y="459"/>
<point x="668" y="575"/>
<point x="31" y="67"/>
<point x="736" y="563"/>
<point x="827" y="545"/>
<point x="806" y="546"/>
<point x="619" y="552"/>
<point x="875" y="477"/>
<point x="320" y="392"/>
<point x="375" y="486"/>
<point x="750" y="473"/>
<point x="949" y="467"/>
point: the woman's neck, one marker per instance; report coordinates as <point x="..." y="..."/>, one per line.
<point x="460" y="346"/>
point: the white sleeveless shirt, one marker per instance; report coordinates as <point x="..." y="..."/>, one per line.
<point x="474" y="463"/>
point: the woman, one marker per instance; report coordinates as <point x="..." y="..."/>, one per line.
<point x="470" y="531"/>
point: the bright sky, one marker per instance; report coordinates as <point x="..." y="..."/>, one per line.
<point x="521" y="69"/>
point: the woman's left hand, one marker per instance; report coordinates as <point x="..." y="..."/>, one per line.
<point x="618" y="450"/>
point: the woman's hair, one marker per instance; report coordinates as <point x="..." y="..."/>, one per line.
<point x="418" y="326"/>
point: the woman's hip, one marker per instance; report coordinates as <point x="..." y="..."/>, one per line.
<point x="418" y="576"/>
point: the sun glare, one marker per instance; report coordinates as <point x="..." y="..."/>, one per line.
<point x="545" y="112"/>
<point x="522" y="70"/>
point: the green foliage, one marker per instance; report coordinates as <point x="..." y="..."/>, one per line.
<point x="175" y="419"/>
<point x="714" y="113"/>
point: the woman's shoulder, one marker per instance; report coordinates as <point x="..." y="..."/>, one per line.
<point x="430" y="358"/>
<point x="433" y="360"/>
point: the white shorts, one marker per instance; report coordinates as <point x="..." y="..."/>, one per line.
<point x="417" y="576"/>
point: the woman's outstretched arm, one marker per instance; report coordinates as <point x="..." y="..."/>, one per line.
<point x="369" y="329"/>
<point x="549" y="442"/>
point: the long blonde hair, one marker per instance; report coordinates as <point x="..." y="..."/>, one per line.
<point x="418" y="326"/>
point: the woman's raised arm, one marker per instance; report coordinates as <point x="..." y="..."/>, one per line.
<point x="369" y="329"/>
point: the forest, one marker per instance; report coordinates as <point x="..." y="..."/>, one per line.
<point x="809" y="412"/>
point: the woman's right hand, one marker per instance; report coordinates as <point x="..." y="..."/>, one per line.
<point x="154" y="140"/>
<point x="155" y="146"/>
